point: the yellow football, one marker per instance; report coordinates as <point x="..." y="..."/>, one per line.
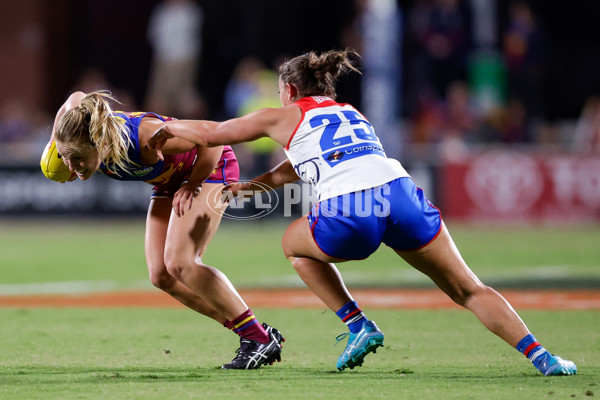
<point x="53" y="166"/>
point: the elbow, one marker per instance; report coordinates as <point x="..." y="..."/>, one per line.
<point x="212" y="139"/>
<point x="210" y="143"/>
<point x="200" y="141"/>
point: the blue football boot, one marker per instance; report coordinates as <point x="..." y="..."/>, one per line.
<point x="367" y="340"/>
<point x="554" y="365"/>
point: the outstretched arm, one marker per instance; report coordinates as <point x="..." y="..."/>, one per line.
<point x="211" y="133"/>
<point x="280" y="175"/>
<point x="276" y="123"/>
<point x="277" y="177"/>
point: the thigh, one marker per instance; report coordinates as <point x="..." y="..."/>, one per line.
<point x="413" y="221"/>
<point x="157" y="224"/>
<point x="191" y="233"/>
<point x="298" y="242"/>
<point x="442" y="262"/>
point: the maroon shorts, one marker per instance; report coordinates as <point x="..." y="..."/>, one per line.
<point x="226" y="171"/>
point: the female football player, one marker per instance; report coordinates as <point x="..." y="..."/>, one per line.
<point x="182" y="218"/>
<point x="365" y="199"/>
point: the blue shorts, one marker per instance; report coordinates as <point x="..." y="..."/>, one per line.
<point x="353" y="225"/>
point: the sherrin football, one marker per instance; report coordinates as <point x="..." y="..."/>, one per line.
<point x="53" y="166"/>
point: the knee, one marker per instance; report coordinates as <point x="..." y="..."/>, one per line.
<point x="162" y="280"/>
<point x="291" y="241"/>
<point x="175" y="263"/>
<point x="294" y="262"/>
<point x="182" y="265"/>
<point x="462" y="296"/>
<point x="287" y="251"/>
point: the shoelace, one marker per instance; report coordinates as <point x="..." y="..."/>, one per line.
<point x="243" y="346"/>
<point x="341" y="337"/>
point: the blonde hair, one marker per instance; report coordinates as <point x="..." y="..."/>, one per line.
<point x="92" y="126"/>
<point x="316" y="74"/>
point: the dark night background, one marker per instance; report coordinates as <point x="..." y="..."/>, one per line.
<point x="111" y="35"/>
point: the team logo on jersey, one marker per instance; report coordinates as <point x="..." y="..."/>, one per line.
<point x="308" y="170"/>
<point x="165" y="176"/>
<point x="335" y="156"/>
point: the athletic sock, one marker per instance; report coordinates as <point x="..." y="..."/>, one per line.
<point x="352" y="316"/>
<point x="533" y="350"/>
<point x="246" y="325"/>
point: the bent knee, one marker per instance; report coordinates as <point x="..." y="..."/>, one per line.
<point x="181" y="265"/>
<point x="287" y="248"/>
<point x="462" y="296"/>
<point x="176" y="263"/>
<point x="296" y="240"/>
<point x="162" y="280"/>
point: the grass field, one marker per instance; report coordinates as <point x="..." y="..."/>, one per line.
<point x="171" y="354"/>
<point x="143" y="353"/>
<point x="110" y="254"/>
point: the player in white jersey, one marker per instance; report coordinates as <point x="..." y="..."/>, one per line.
<point x="365" y="199"/>
<point x="335" y="149"/>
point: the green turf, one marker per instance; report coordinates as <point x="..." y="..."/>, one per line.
<point x="249" y="253"/>
<point x="173" y="354"/>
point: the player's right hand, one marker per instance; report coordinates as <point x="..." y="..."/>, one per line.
<point x="242" y="189"/>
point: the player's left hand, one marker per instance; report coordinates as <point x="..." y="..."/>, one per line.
<point x="184" y="197"/>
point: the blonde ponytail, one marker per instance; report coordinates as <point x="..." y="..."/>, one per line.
<point x="92" y="125"/>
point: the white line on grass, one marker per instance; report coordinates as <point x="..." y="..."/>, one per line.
<point x="70" y="287"/>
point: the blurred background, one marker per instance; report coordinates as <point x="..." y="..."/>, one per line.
<point x="492" y="105"/>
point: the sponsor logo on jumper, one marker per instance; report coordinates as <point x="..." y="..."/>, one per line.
<point x="353" y="151"/>
<point x="335" y="156"/>
<point x="142" y="172"/>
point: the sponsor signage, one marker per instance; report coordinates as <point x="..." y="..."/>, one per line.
<point x="517" y="185"/>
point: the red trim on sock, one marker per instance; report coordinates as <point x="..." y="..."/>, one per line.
<point x="531" y="347"/>
<point x="353" y="313"/>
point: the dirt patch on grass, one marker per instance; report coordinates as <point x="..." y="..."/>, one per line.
<point x="303" y="298"/>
